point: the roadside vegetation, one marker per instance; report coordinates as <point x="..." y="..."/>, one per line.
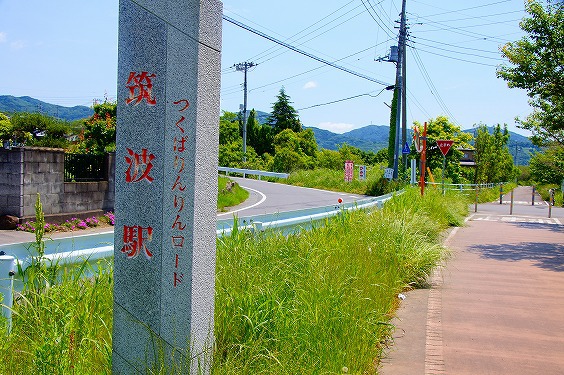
<point x="311" y="302"/>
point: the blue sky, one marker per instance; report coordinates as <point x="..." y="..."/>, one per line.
<point x="65" y="52"/>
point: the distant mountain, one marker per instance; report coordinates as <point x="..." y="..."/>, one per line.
<point x="368" y="138"/>
<point x="12" y="104"/>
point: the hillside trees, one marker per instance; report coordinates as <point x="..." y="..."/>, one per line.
<point x="537" y="66"/>
<point x="36" y="129"/>
<point x="494" y="162"/>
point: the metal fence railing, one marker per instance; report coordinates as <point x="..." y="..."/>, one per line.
<point x="85" y="168"/>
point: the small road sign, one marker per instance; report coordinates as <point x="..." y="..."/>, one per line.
<point x="444" y="146"/>
<point x="406" y="150"/>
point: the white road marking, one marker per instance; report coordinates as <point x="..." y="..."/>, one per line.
<point x="246" y="208"/>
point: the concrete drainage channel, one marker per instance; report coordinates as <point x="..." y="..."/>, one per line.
<point x="93" y="247"/>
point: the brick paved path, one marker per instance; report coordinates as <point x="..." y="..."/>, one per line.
<point x="496" y="307"/>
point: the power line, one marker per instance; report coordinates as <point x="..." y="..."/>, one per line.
<point x="452" y="58"/>
<point x="272" y="39"/>
<point x="431" y="86"/>
<point x="377" y="15"/>
<point x="344" y="99"/>
<point x="470" y="8"/>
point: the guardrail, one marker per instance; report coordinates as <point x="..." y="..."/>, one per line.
<point x="252" y="172"/>
<point x="463" y="187"/>
<point x="92" y="247"/>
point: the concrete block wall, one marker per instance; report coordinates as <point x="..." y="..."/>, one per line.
<point x="24" y="172"/>
<point x="11" y="181"/>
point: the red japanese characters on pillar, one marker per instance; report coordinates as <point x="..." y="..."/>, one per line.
<point x="178" y="225"/>
<point x="140" y="87"/>
<point x="139" y="166"/>
<point x="135" y="240"/>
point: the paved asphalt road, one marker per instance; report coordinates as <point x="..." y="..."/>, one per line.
<point x="268" y="198"/>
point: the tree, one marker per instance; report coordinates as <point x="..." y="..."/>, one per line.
<point x="5" y="127"/>
<point x="494" y="162"/>
<point x="548" y="167"/>
<point x="442" y="128"/>
<point x="283" y="115"/>
<point x="294" y="150"/>
<point x="99" y="134"/>
<point x="538" y="67"/>
<point x="228" y="128"/>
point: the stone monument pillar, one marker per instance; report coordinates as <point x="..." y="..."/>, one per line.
<point x="166" y="184"/>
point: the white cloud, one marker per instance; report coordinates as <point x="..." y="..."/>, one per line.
<point x="18" y="44"/>
<point x="2" y="37"/>
<point x="310" y="85"/>
<point x="336" y="127"/>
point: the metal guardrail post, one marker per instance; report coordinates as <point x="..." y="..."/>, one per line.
<point x="477" y="189"/>
<point x="511" y="205"/>
<point x="7" y="267"/>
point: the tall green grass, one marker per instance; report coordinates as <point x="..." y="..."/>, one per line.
<point x="313" y="302"/>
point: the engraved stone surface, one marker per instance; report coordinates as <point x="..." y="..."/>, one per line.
<point x="166" y="183"/>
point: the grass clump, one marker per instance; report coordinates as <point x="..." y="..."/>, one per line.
<point x="229" y="193"/>
<point x="62" y="329"/>
<point x="318" y="301"/>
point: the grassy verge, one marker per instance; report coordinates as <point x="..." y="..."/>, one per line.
<point x="312" y="302"/>
<point x="320" y="301"/>
<point x="328" y="179"/>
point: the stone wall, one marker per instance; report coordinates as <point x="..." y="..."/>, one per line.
<point x="24" y="172"/>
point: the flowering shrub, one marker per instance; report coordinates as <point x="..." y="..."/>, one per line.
<point x="71" y="224"/>
<point x="109" y="216"/>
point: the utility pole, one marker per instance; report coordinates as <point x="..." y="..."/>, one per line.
<point x="399" y="84"/>
<point x="244" y="67"/>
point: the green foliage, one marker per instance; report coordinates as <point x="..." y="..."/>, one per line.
<point x="536" y="66"/>
<point x="294" y="151"/>
<point x="228" y="128"/>
<point x="494" y="162"/>
<point x="99" y="133"/>
<point x="35" y="129"/>
<point x="442" y="128"/>
<point x="283" y="115"/>
<point x="548" y="167"/>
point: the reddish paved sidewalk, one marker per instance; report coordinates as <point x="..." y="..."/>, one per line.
<point x="497" y="307"/>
